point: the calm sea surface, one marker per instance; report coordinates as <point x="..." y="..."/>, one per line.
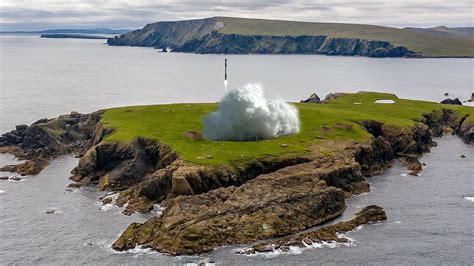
<point x="431" y="219"/>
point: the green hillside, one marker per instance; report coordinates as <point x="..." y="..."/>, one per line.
<point x="427" y="44"/>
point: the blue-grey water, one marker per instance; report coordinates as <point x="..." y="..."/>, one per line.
<point x="431" y="217"/>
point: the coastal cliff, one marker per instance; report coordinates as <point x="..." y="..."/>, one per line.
<point x="220" y="35"/>
<point x="229" y="196"/>
<point x="203" y="37"/>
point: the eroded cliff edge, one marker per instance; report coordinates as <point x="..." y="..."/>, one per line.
<point x="207" y="207"/>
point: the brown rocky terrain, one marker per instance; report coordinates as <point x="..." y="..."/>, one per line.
<point x="47" y="139"/>
<point x="331" y="233"/>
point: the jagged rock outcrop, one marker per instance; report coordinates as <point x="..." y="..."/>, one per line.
<point x="48" y="138"/>
<point x="331" y="233"/>
<point x="332" y="96"/>
<point x="455" y="101"/>
<point x="204" y="36"/>
<point x="117" y="166"/>
<point x="313" y="98"/>
<point x="466" y="130"/>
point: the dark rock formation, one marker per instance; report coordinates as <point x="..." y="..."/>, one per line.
<point x="332" y="96"/>
<point x="312" y="99"/>
<point x="117" y="166"/>
<point x="369" y="214"/>
<point x="455" y="101"/>
<point x="46" y="139"/>
<point x="471" y="99"/>
<point x="466" y="130"/>
<point x="217" y="43"/>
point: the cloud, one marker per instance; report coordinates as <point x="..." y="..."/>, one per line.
<point x="15" y="14"/>
<point x="244" y="114"/>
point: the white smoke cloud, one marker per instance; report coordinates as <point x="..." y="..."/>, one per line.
<point x="244" y="114"/>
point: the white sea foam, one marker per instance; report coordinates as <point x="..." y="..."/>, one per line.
<point x="111" y="205"/>
<point x="157" y="209"/>
<point x="244" y="114"/>
<point x="2" y="191"/>
<point x="469" y="198"/>
<point x="295" y="250"/>
<point x="361" y="194"/>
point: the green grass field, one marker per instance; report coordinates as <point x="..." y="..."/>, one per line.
<point x="422" y="42"/>
<point x="168" y="123"/>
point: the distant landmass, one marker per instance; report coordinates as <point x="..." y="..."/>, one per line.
<point x="467" y="32"/>
<point x="72" y="36"/>
<point x="257" y="36"/>
<point x="74" y="31"/>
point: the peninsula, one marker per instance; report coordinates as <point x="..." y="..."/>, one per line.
<point x="72" y="36"/>
<point x="219" y="193"/>
<point x="227" y="35"/>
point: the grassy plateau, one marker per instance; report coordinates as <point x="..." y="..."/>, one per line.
<point x="168" y="124"/>
<point x="424" y="43"/>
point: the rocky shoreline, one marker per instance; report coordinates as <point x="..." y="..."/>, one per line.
<point x="206" y="206"/>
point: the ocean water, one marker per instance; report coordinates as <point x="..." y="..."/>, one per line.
<point x="430" y="217"/>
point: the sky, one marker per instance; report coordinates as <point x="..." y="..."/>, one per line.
<point x="133" y="14"/>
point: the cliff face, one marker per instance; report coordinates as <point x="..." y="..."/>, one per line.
<point x="167" y="34"/>
<point x="203" y="36"/>
<point x="217" y="43"/>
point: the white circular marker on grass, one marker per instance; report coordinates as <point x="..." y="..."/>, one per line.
<point x="385" y="101"/>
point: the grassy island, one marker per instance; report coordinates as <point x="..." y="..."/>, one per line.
<point x="228" y="192"/>
<point x="168" y="123"/>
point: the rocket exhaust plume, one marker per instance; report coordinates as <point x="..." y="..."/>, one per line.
<point x="244" y="114"/>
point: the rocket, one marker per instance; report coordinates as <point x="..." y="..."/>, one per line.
<point x="225" y="76"/>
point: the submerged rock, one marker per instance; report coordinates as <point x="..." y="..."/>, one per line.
<point x="414" y="165"/>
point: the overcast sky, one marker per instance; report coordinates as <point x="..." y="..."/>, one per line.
<point x="131" y="14"/>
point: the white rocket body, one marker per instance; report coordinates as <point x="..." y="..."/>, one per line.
<point x="225" y="76"/>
